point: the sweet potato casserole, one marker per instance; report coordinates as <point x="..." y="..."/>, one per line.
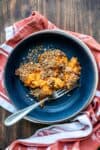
<point x="52" y="71"/>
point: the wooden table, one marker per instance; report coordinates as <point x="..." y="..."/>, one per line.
<point x="76" y="15"/>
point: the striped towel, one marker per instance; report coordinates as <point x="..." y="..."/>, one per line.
<point x="84" y="131"/>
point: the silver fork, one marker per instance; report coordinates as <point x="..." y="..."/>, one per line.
<point x="23" y="112"/>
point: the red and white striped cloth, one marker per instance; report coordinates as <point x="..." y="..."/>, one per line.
<point x="84" y="131"/>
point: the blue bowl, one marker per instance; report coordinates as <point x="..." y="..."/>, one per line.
<point x="67" y="106"/>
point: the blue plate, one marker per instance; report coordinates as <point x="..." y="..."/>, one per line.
<point x="66" y="106"/>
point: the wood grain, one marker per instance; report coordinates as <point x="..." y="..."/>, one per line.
<point x="76" y="15"/>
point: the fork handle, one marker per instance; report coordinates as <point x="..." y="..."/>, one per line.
<point x="22" y="113"/>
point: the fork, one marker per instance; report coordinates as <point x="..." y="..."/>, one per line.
<point x="10" y="120"/>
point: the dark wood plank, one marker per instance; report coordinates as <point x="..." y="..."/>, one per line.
<point x="76" y="15"/>
<point x="2" y="22"/>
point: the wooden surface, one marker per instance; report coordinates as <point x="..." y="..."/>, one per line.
<point x="77" y="15"/>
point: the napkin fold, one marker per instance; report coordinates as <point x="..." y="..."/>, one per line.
<point x="83" y="132"/>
